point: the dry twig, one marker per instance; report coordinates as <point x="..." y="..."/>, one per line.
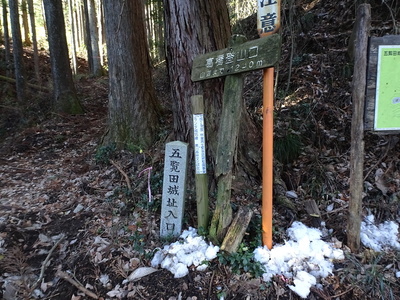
<point x="128" y="183"/>
<point x="44" y="264"/>
<point x="80" y="287"/>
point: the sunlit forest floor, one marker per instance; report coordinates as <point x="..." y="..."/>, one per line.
<point x="59" y="186"/>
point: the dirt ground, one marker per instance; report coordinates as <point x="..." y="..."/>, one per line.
<point x="71" y="229"/>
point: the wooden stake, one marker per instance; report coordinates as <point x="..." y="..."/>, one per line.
<point x="363" y="22"/>
<point x="201" y="179"/>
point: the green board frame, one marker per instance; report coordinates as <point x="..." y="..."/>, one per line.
<point x="371" y="102"/>
<point x="387" y="99"/>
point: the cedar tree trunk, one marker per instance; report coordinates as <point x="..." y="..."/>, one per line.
<point x="65" y="98"/>
<point x="132" y="109"/>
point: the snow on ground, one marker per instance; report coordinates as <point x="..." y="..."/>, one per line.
<point x="178" y="256"/>
<point x="302" y="260"/>
<point x="379" y="237"/>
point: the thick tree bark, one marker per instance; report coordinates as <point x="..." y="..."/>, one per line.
<point x="65" y="98"/>
<point x="17" y="50"/>
<point x="192" y="29"/>
<point x="132" y="110"/>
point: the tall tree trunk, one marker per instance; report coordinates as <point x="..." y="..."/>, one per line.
<point x="34" y="40"/>
<point x="1" y="29"/>
<point x="44" y="18"/>
<point x="149" y="21"/>
<point x="17" y="50"/>
<point x="94" y="39"/>
<point x="160" y="44"/>
<point x="132" y="106"/>
<point x="25" y="24"/>
<point x="102" y="37"/>
<point x="65" y="98"/>
<point x="79" y="23"/>
<point x="6" y="39"/>
<point x="73" y="34"/>
<point x="204" y="27"/>
<point x="87" y="38"/>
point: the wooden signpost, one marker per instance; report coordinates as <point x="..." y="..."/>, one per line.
<point x="375" y="82"/>
<point x="242" y="57"/>
<point x="231" y="62"/>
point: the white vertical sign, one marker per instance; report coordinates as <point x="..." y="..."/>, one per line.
<point x="199" y="143"/>
<point x="268" y="17"/>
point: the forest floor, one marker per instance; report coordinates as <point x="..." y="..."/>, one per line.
<point x="71" y="229"/>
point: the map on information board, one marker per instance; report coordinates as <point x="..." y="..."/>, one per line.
<point x="387" y="100"/>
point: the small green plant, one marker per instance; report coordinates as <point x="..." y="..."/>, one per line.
<point x="144" y="203"/>
<point x="381" y="286"/>
<point x="138" y="242"/>
<point x="242" y="261"/>
<point x="105" y="153"/>
<point x="202" y="231"/>
<point x="287" y="148"/>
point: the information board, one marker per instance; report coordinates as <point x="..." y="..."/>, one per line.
<point x="387" y="99"/>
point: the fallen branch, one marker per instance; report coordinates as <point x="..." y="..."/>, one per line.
<point x="44" y="264"/>
<point x="34" y="86"/>
<point x="80" y="287"/>
<point x="128" y="183"/>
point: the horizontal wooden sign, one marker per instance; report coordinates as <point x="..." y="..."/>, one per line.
<point x="382" y="110"/>
<point x="257" y="54"/>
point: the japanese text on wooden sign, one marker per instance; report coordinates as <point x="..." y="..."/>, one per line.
<point x="253" y="55"/>
<point x="174" y="188"/>
<point x="268" y="16"/>
<point x="387" y="100"/>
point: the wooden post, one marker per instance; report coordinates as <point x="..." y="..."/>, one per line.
<point x="201" y="177"/>
<point x="363" y="22"/>
<point x="236" y="231"/>
<point x="238" y="58"/>
<point x="226" y="150"/>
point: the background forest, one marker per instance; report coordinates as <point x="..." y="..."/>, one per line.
<point x="90" y="93"/>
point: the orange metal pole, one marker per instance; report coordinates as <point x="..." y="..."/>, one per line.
<point x="268" y="22"/>
<point x="267" y="156"/>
